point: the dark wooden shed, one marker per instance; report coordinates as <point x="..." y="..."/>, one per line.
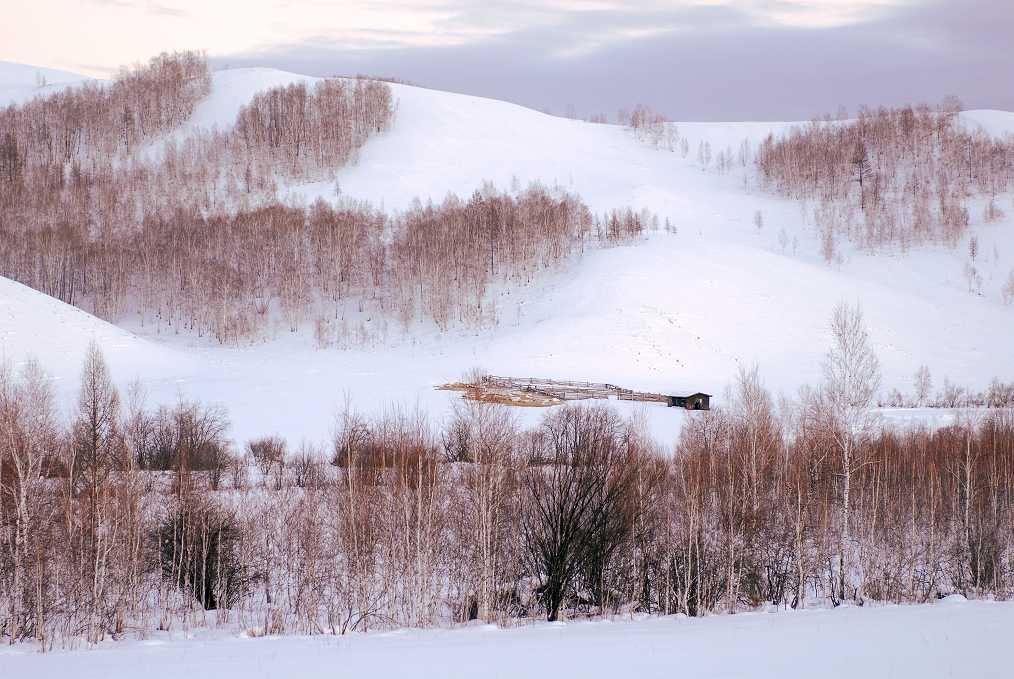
<point x="697" y="401"/>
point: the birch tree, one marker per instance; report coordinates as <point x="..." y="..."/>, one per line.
<point x="851" y="380"/>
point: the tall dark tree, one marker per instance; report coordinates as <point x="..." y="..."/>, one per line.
<point x="577" y="497"/>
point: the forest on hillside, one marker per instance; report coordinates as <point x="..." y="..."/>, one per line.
<point x="110" y="203"/>
<point x="104" y="206"/>
<point x="898" y="177"/>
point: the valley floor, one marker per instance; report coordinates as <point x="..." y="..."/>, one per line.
<point x="949" y="638"/>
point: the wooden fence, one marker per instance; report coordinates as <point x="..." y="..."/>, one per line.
<point x="569" y="390"/>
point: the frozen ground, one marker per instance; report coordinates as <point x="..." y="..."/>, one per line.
<point x="673" y="312"/>
<point x="943" y="639"/>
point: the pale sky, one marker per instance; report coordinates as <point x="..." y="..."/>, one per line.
<point x="709" y="59"/>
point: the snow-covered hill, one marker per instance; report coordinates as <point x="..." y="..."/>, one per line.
<point x="21" y="82"/>
<point x="35" y="325"/>
<point x="676" y="311"/>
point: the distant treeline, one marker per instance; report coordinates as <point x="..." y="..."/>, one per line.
<point x="899" y="177"/>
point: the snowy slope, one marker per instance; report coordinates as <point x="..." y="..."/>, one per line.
<point x="996" y="123"/>
<point x="677" y="311"/>
<point x="20" y="82"/>
<point x="35" y="325"/>
<point x="945" y="639"/>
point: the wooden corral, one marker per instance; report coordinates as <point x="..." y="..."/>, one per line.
<point x="538" y="391"/>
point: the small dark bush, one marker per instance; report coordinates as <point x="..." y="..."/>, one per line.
<point x="199" y="551"/>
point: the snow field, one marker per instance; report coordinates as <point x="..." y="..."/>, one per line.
<point x="951" y="638"/>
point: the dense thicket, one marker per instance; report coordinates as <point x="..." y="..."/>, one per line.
<point x="127" y="519"/>
<point x="890" y="176"/>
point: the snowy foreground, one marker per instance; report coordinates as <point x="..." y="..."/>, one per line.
<point x="951" y="638"/>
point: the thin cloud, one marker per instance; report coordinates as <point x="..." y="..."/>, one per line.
<point x="146" y="6"/>
<point x="693" y="59"/>
<point x="715" y="61"/>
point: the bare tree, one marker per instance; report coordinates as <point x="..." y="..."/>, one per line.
<point x="96" y="451"/>
<point x="851" y="380"/>
<point x="576" y="499"/>
<point x="28" y="436"/>
<point x="268" y="453"/>
<point x="1007" y="291"/>
<point x="923" y="383"/>
<point x="485" y="436"/>
<point x="862" y="169"/>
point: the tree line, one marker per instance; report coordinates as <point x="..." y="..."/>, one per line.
<point x="898" y="177"/>
<point x="343" y="270"/>
<point x="127" y="518"/>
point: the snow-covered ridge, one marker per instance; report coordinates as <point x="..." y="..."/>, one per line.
<point x="21" y="82"/>
<point x="234" y="87"/>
